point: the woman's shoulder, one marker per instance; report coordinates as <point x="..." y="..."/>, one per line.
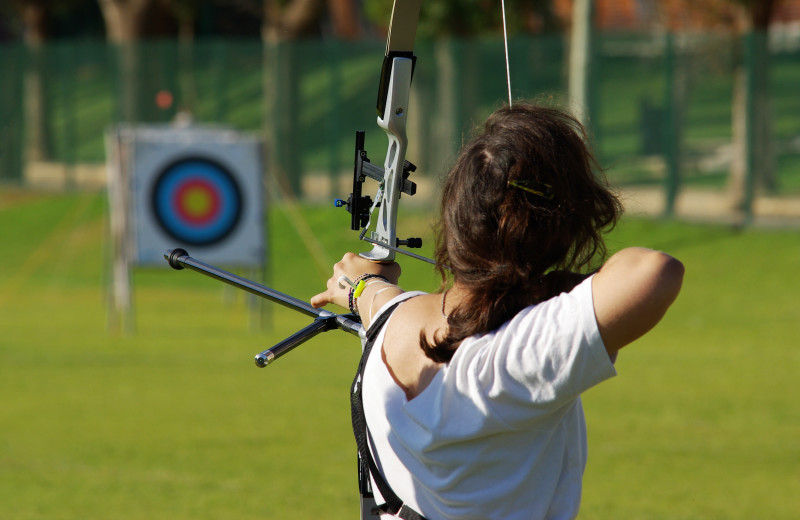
<point x="401" y="298"/>
<point x="411" y="369"/>
<point x="566" y="314"/>
<point x="554" y="310"/>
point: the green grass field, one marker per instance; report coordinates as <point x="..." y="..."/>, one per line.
<point x="176" y="422"/>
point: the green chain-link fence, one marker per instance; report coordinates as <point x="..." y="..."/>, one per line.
<point x="661" y="106"/>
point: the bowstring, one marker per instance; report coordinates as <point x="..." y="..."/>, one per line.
<point x="505" y="45"/>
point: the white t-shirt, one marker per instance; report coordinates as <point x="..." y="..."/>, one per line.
<point x="499" y="433"/>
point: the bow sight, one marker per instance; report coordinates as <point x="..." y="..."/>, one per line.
<point x="360" y="206"/>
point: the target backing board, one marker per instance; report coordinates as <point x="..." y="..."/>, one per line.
<point x="198" y="189"/>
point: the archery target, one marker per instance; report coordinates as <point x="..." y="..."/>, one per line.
<point x="198" y="189"/>
<point x="197" y="201"/>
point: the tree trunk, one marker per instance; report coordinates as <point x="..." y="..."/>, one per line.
<point x="124" y="19"/>
<point x="38" y="140"/>
<point x="677" y="75"/>
<point x="281" y="24"/>
<point x="186" y="80"/>
<point x="754" y="162"/>
<point x="737" y="182"/>
<point x="344" y="15"/>
<point x="580" y="60"/>
<point x="124" y="26"/>
<point x="764" y="159"/>
<point x="761" y="14"/>
<point x="298" y="18"/>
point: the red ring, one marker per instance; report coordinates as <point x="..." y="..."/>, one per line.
<point x="185" y="213"/>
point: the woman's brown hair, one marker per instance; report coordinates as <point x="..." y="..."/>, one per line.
<point x="523" y="211"/>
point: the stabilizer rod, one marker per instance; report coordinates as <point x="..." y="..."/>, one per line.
<point x="323" y="320"/>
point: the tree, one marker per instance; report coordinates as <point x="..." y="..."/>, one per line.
<point x="753" y="162"/>
<point x="185" y="13"/>
<point x="444" y="18"/>
<point x="130" y="21"/>
<point x="35" y="15"/>
<point x="580" y="61"/>
<point x="288" y="21"/>
<point x="752" y="121"/>
<point x="124" y="19"/>
<point x="282" y="22"/>
<point x="124" y="25"/>
<point x="344" y="19"/>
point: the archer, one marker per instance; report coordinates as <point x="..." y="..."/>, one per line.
<point x="467" y="401"/>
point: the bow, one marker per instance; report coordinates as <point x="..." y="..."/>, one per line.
<point x="392" y="108"/>
<point x="393" y="95"/>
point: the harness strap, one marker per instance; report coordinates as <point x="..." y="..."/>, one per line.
<point x="367" y="466"/>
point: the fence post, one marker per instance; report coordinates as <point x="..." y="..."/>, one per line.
<point x="749" y="127"/>
<point x="12" y="122"/>
<point x="70" y="129"/>
<point x="285" y="116"/>
<point x="673" y="100"/>
<point x="333" y="119"/>
<point x="220" y="66"/>
<point x="452" y="86"/>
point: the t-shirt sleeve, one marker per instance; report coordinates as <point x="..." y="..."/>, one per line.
<point x="539" y="361"/>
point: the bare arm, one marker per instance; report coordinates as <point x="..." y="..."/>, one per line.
<point x="631" y="294"/>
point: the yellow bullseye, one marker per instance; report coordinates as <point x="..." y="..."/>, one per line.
<point x="197" y="202"/>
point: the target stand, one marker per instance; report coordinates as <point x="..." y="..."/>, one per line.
<point x="198" y="187"/>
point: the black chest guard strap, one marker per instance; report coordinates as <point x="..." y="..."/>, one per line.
<point x="366" y="464"/>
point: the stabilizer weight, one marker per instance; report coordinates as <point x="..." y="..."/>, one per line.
<point x="174" y="256"/>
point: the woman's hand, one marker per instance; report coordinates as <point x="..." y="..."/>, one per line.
<point x="352" y="266"/>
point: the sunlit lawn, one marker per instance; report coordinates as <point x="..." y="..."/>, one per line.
<point x="176" y="422"/>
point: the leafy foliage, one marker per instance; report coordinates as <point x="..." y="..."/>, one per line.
<point x="441" y="18"/>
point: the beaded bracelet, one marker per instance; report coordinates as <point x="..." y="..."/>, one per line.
<point x="361" y="282"/>
<point x="351" y="302"/>
<point x="358" y="287"/>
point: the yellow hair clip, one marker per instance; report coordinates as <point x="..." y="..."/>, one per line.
<point x="537" y="188"/>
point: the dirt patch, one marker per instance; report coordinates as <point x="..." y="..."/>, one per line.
<point x="711" y="205"/>
<point x="691" y="204"/>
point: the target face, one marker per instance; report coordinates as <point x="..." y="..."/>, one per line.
<point x="196" y="201"/>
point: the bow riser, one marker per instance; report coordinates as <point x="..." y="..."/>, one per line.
<point x="393" y="122"/>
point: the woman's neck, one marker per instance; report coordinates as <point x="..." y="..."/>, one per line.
<point x="453" y="297"/>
